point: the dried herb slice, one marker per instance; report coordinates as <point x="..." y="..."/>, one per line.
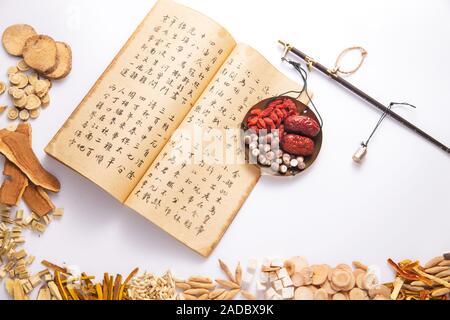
<point x="38" y="200"/>
<point x="14" y="186"/>
<point x="17" y="149"/>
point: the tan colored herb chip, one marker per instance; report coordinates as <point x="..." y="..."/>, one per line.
<point x="13" y="113"/>
<point x="18" y="93"/>
<point x="12" y="70"/>
<point x="35" y="113"/>
<point x="23" y="80"/>
<point x="32" y="78"/>
<point x="2" y="87"/>
<point x="14" y="78"/>
<point x="33" y="102"/>
<point x="24" y="115"/>
<point x="29" y="89"/>
<point x="40" y="86"/>
<point x="45" y="100"/>
<point x="20" y="103"/>
<point x="22" y="66"/>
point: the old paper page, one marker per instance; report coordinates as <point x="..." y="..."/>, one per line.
<point x="194" y="195"/>
<point x="132" y="110"/>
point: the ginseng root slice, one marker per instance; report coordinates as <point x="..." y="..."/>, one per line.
<point x="39" y="53"/>
<point x="15" y="36"/>
<point x="64" y="64"/>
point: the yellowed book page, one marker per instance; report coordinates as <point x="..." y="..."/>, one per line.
<point x="195" y="198"/>
<point x="121" y="125"/>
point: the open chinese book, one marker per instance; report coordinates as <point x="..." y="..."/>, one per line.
<point x="179" y="70"/>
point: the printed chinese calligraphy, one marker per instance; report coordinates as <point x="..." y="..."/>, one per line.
<point x="144" y="95"/>
<point x="196" y="199"/>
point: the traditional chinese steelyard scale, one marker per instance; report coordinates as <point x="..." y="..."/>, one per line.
<point x="335" y="75"/>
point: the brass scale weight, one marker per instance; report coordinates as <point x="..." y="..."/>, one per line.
<point x="334" y="74"/>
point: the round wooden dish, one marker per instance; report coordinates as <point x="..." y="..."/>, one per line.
<point x="303" y="110"/>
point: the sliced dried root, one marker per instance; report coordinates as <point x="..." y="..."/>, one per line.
<point x="40" y="53"/>
<point x="15" y="36"/>
<point x="320" y="274"/>
<point x="64" y="61"/>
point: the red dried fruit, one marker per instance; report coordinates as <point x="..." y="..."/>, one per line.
<point x="251" y="121"/>
<point x="275" y="103"/>
<point x="269" y="122"/>
<point x="274" y="117"/>
<point x="261" y="123"/>
<point x="266" y="112"/>
<point x="281" y="131"/>
<point x="302" y="125"/>
<point x="279" y="113"/>
<point x="297" y="145"/>
<point x="255" y="111"/>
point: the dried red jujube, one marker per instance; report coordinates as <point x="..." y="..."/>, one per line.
<point x="297" y="145"/>
<point x="302" y="125"/>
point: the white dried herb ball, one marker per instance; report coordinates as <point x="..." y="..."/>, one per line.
<point x="270" y="155"/>
<point x="253" y="145"/>
<point x="301" y="165"/>
<point x="275" y="166"/>
<point x="283" y="169"/>
<point x="261" y="159"/>
<point x="300" y="159"/>
<point x="255" y="152"/>
<point x="293" y="163"/>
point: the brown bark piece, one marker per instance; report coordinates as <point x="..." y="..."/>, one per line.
<point x="13" y="187"/>
<point x="38" y="200"/>
<point x="16" y="148"/>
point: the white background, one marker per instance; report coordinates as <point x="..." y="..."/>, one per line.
<point x="396" y="204"/>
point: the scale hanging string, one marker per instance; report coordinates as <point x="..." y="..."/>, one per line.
<point x="304" y="75"/>
<point x="383" y="116"/>
<point x="362" y="150"/>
